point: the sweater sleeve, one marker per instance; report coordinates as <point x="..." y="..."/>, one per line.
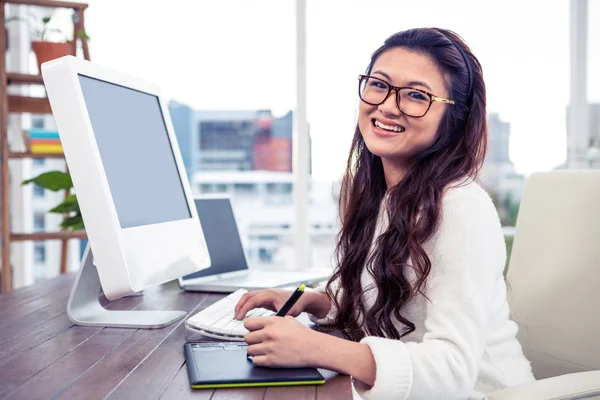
<point x="467" y="255"/>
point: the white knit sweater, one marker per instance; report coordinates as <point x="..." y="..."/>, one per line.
<point x="464" y="345"/>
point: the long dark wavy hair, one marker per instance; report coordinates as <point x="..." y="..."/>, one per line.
<point x="413" y="206"/>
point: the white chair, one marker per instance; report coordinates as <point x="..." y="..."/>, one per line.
<point x="554" y="285"/>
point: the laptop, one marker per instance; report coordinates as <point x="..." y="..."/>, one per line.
<point x="229" y="269"/>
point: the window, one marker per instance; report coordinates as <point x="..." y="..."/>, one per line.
<point x="213" y="188"/>
<point x="267" y="237"/>
<point x="279" y="187"/>
<point x="39" y="249"/>
<point x="38" y="191"/>
<point x="225" y="124"/>
<point x="39" y="221"/>
<point x="227" y="134"/>
<point x="39" y="162"/>
<point x="265" y="255"/>
<point x="244" y="188"/>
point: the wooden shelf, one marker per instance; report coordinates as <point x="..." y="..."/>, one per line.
<point x="20" y="237"/>
<point x="26" y="154"/>
<point x="17" y="104"/>
<point x="23" y="79"/>
<point x="47" y="3"/>
<point x="24" y="104"/>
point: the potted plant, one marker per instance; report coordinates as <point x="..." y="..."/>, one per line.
<point x="56" y="181"/>
<point x="42" y="46"/>
<point x="45" y="50"/>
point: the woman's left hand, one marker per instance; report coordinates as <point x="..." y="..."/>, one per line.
<point x="280" y="342"/>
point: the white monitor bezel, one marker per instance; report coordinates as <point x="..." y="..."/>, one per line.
<point x="128" y="259"/>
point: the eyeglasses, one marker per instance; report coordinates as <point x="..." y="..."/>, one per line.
<point x="411" y="101"/>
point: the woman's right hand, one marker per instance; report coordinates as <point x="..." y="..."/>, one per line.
<point x="271" y="299"/>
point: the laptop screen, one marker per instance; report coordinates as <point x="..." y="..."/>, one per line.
<point x="221" y="235"/>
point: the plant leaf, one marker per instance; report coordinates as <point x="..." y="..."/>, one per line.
<point x="45" y="20"/>
<point x="75" y="222"/>
<point x="78" y="226"/>
<point x="83" y="35"/>
<point x="53" y="180"/>
<point x="68" y="205"/>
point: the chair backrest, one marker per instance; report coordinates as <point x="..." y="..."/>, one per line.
<point x="554" y="272"/>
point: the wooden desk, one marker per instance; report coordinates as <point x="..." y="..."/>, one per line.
<point x="43" y="355"/>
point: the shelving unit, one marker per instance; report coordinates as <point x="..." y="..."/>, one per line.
<point x="34" y="105"/>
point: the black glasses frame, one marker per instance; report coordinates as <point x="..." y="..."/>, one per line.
<point x="432" y="97"/>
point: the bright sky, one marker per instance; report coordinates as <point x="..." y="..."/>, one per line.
<point x="241" y="55"/>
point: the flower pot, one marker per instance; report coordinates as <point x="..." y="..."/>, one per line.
<point x="46" y="51"/>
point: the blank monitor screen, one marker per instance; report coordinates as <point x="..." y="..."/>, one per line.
<point x="136" y="153"/>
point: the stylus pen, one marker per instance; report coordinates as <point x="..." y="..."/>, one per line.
<point x="288" y="304"/>
<point x="291" y="301"/>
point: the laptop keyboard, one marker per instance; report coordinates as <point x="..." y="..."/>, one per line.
<point x="217" y="319"/>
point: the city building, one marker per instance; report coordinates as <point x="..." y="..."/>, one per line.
<point x="263" y="206"/>
<point x="233" y="140"/>
<point x="183" y="120"/>
<point x="498" y="176"/>
<point x="591" y="156"/>
<point x="247" y="155"/>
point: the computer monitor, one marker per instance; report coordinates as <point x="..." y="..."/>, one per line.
<point x="131" y="186"/>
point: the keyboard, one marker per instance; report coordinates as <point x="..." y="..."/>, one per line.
<point x="217" y="320"/>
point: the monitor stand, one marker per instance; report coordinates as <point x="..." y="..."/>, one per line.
<point x="84" y="308"/>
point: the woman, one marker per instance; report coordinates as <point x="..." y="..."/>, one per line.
<point x="418" y="290"/>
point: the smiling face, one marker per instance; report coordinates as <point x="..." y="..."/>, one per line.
<point x="387" y="132"/>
